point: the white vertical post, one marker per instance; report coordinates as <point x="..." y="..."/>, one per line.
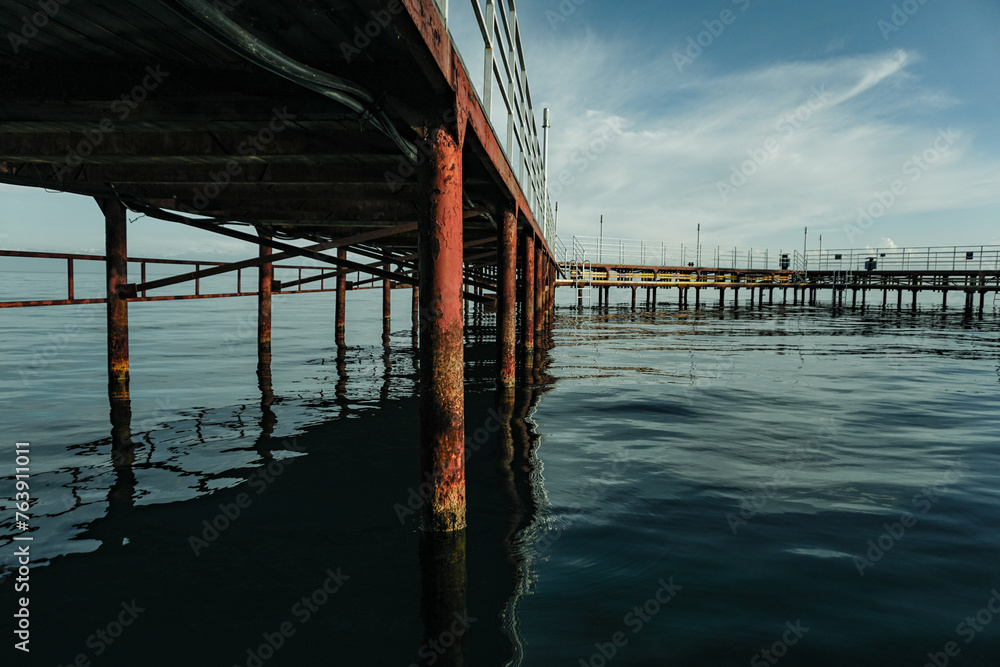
<point x="545" y="168"/>
<point x="491" y="22"/>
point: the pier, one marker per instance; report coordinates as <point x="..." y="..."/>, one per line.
<point x="854" y="277"/>
<point x="357" y="131"/>
<point x="352" y="137"/>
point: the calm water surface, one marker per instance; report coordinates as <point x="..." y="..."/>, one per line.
<point x="690" y="488"/>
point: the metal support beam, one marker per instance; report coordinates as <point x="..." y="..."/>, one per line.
<point x="507" y="300"/>
<point x="528" y="307"/>
<point x="442" y="394"/>
<point x="277" y="257"/>
<point x="116" y="271"/>
<point x="116" y="266"/>
<point x="540" y="288"/>
<point x="341" y="301"/>
<point x="415" y="311"/>
<point x="386" y="297"/>
<point x="294" y="250"/>
<point x="265" y="279"/>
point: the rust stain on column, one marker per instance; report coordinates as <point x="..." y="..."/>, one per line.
<point x="341" y="299"/>
<point x="507" y="300"/>
<point x="442" y="398"/>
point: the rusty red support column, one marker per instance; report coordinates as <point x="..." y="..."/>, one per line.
<point x="116" y="266"/>
<point x="539" y="290"/>
<point x="386" y="298"/>
<point x="116" y="269"/>
<point x="415" y="311"/>
<point x="442" y="397"/>
<point x="265" y="284"/>
<point x="528" y="307"/>
<point x="341" y="299"/>
<point x="552" y="288"/>
<point x="507" y="300"/>
<point x="265" y="278"/>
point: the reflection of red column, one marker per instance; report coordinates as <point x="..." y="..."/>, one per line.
<point x="444" y="584"/>
<point x="341" y="298"/>
<point x="528" y="307"/>
<point x="507" y="300"/>
<point x="442" y="399"/>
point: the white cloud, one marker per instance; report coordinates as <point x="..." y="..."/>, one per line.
<point x="684" y="133"/>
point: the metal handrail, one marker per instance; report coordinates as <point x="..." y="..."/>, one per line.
<point x="639" y="252"/>
<point x="927" y="258"/>
<point x="504" y="61"/>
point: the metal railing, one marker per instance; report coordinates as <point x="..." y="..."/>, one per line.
<point x="505" y="72"/>
<point x="845" y="263"/>
<point x="634" y="252"/>
<point x="293" y="275"/>
<point x="562" y="252"/>
<point x="931" y="258"/>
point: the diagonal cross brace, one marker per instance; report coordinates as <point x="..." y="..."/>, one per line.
<point x="258" y="261"/>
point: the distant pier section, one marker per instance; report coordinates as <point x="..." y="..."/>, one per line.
<point x="880" y="276"/>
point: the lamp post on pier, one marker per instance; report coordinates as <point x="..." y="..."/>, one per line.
<point x="600" y="243"/>
<point x="697" y="253"/>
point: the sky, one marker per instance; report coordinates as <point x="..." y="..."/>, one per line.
<point x="874" y="124"/>
<point x="756" y="119"/>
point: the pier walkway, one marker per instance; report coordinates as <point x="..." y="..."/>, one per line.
<point x="971" y="272"/>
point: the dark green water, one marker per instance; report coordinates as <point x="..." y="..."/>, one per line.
<point x="685" y="488"/>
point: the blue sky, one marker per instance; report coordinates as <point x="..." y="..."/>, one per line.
<point x="886" y="96"/>
<point x="792" y="114"/>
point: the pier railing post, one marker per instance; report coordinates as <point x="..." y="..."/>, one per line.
<point x="507" y="300"/>
<point x="442" y="398"/>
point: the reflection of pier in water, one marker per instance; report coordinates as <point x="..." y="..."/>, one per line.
<point x="370" y="381"/>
